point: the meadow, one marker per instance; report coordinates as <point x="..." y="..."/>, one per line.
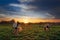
<point x="30" y="32"/>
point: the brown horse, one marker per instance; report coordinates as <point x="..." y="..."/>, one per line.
<point x="46" y="27"/>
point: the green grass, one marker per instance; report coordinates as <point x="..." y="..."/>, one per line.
<point x="30" y="32"/>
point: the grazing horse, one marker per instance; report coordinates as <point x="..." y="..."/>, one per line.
<point x="46" y="27"/>
<point x="17" y="29"/>
<point x="20" y="29"/>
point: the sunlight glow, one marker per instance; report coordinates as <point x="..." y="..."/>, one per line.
<point x="26" y="19"/>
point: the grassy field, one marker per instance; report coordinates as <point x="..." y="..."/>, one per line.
<point x="30" y="32"/>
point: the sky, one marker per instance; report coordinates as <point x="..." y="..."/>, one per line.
<point x="39" y="9"/>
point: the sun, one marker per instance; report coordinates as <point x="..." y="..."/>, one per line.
<point x="26" y="20"/>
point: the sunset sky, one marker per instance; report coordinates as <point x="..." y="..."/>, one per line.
<point x="30" y="10"/>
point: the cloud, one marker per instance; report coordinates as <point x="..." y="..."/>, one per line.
<point x="9" y="16"/>
<point x="31" y="14"/>
<point x="31" y="8"/>
<point x="25" y="10"/>
<point x="49" y="15"/>
<point x="24" y="6"/>
<point x="25" y="1"/>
